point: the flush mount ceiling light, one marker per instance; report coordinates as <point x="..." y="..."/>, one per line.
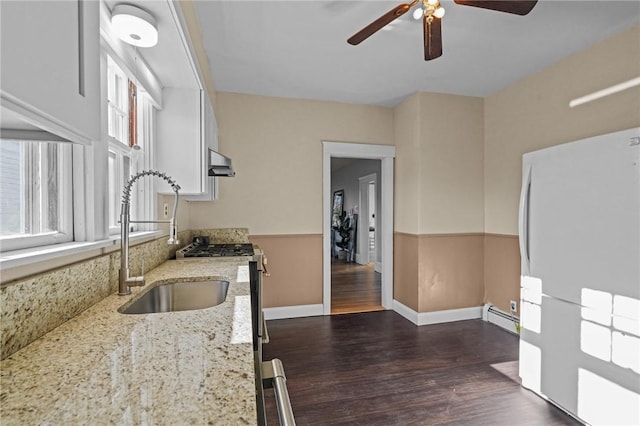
<point x="134" y="25"/>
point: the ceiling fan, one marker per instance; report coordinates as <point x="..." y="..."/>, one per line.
<point x="432" y="13"/>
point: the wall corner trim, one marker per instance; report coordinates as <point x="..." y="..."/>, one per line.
<point x="296" y="311"/>
<point x="437" y="317"/>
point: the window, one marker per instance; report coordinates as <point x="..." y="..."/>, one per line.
<point x="131" y="118"/>
<point x="42" y="182"/>
<point x="118" y="102"/>
<point x="35" y="193"/>
<point x="119" y="171"/>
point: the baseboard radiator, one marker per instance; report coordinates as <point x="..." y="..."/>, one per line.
<point x="500" y="318"/>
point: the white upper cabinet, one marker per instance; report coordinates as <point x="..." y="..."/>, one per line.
<point x="186" y="126"/>
<point x="186" y="131"/>
<point x="50" y="68"/>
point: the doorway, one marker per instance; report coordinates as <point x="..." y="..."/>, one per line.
<point x="355" y="283"/>
<point x="383" y="230"/>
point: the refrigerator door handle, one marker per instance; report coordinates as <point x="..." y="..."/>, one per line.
<point x="523" y="220"/>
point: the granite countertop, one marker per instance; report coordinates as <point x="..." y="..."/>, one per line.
<point x="103" y="367"/>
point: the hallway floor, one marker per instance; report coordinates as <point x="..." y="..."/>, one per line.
<point x="355" y="288"/>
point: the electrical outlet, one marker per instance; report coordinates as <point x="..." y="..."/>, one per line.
<point x="514" y="306"/>
<point x="165" y="207"/>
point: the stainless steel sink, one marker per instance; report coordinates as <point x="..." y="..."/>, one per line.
<point x="179" y="296"/>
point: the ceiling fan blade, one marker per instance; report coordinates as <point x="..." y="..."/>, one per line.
<point x="376" y="25"/>
<point x="517" y="7"/>
<point x="432" y="38"/>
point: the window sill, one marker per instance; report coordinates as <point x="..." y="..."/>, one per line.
<point x="22" y="263"/>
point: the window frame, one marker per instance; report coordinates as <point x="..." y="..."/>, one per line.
<point x="65" y="210"/>
<point x="88" y="168"/>
<point x="117" y="102"/>
<point x="139" y="158"/>
<point x="120" y="178"/>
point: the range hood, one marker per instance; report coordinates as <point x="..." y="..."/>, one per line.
<point x="219" y="165"/>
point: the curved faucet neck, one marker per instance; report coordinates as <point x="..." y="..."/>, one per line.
<point x="126" y="192"/>
<point x="125" y="280"/>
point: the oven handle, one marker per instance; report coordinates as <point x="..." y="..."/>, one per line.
<point x="265" y="332"/>
<point x="264" y="266"/>
<point x="273" y="376"/>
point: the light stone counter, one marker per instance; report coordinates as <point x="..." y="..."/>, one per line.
<point x="103" y="367"/>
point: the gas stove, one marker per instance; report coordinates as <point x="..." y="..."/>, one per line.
<point x="215" y="250"/>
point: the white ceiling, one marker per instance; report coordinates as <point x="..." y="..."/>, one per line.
<point x="298" y="49"/>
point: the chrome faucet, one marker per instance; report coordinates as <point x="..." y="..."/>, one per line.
<point x="126" y="281"/>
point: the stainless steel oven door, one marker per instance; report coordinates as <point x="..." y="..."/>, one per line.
<point x="257" y="321"/>
<point x="269" y="374"/>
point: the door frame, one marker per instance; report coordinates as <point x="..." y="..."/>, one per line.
<point x="385" y="153"/>
<point x="362" y="255"/>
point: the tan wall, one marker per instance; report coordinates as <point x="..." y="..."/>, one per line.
<point x="501" y="270"/>
<point x="439" y="164"/>
<point x="451" y="164"/>
<point x="534" y="114"/>
<point x="451" y="271"/>
<point x="405" y="269"/>
<point x="276" y="147"/>
<point x="406" y="213"/>
<point x="182" y="214"/>
<point x="438" y="272"/>
<point x="438" y="182"/>
<point x="457" y="170"/>
<point x="295" y="268"/>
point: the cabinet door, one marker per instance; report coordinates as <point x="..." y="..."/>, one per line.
<point x="186" y="130"/>
<point x="50" y="63"/>
<point x="180" y="144"/>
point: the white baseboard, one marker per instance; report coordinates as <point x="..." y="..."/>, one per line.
<point x="437" y="317"/>
<point x="422" y="318"/>
<point x="405" y="311"/>
<point x="378" y="267"/>
<point x="500" y="318"/>
<point x="297" y="311"/>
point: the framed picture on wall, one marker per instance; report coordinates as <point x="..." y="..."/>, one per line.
<point x="338" y="202"/>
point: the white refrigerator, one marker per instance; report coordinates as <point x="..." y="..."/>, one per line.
<point x="579" y="221"/>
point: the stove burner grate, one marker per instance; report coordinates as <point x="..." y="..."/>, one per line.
<point x="216" y="250"/>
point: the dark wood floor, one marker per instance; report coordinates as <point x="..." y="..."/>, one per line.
<point x="354" y="288"/>
<point x="378" y="368"/>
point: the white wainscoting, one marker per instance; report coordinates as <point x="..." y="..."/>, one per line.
<point x="437" y="317"/>
<point x="422" y="318"/>
<point x="297" y="311"/>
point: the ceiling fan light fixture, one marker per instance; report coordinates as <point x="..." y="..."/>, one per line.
<point x="134" y="25"/>
<point x="432" y="9"/>
<point x="432" y="12"/>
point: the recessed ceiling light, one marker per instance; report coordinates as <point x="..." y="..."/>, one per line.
<point x="134" y="25"/>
